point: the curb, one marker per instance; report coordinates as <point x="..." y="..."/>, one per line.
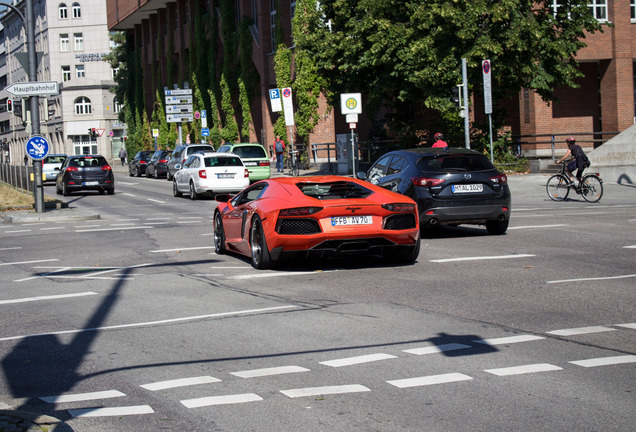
<point x="57" y="215"/>
<point x="30" y="422"/>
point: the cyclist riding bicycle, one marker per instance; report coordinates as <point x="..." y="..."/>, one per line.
<point x="580" y="161"/>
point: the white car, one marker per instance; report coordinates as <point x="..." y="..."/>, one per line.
<point x="210" y="173"/>
<point x="51" y="166"/>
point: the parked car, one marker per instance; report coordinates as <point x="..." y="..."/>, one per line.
<point x="157" y="166"/>
<point x="137" y="165"/>
<point x="254" y="157"/>
<point x="316" y="216"/>
<point x="51" y="166"/>
<point x="210" y="173"/>
<point x="451" y="186"/>
<point x="181" y="153"/>
<point x="85" y="172"/>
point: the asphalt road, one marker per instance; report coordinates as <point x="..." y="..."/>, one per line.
<point x="132" y="322"/>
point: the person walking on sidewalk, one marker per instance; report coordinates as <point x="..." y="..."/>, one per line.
<point x="279" y="148"/>
<point x="122" y="156"/>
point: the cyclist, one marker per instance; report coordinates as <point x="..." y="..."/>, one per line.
<point x="439" y="141"/>
<point x="580" y="161"/>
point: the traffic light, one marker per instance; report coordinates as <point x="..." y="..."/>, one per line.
<point x="94" y="134"/>
<point x="456" y="98"/>
<point x="17" y="108"/>
<point x="9" y="105"/>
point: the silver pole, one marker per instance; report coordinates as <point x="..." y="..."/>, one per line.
<point x="466" y="105"/>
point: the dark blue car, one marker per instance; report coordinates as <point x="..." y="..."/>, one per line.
<point x="451" y="186"/>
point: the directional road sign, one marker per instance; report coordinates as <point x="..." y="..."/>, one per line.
<point x="178" y="109"/>
<point x="177" y="118"/>
<point x="205" y="132"/>
<point x="37" y="147"/>
<point x="33" y="88"/>
<point x="171" y="100"/>
<point x="178" y="92"/>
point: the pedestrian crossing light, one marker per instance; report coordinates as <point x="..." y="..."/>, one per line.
<point x="9" y="105"/>
<point x="456" y="98"/>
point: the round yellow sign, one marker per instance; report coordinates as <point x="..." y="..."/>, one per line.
<point x="351" y="103"/>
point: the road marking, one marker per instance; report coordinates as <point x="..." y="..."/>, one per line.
<point x="605" y="361"/>
<point x="537" y="226"/>
<point x="156" y="223"/>
<point x="181" y="249"/>
<point x="182" y="382"/>
<point x="221" y="400"/>
<point x="629" y="247"/>
<point x="85" y="226"/>
<point x="509" y="340"/>
<point x="476" y="258"/>
<point x="157" y="201"/>
<point x="322" y="391"/>
<point x="357" y="360"/>
<point x="275" y="274"/>
<point x="580" y="331"/>
<point x="429" y="380"/>
<point x="52" y="228"/>
<point x="208" y="274"/>
<point x="437" y="349"/>
<point x="28" y="262"/>
<point x="115" y="229"/>
<point x="10" y="248"/>
<point x="159" y="218"/>
<point x="592" y="279"/>
<point x="154" y="323"/>
<point x="254" y="373"/>
<point x="129" y="194"/>
<point x="81" y="397"/>
<point x="17" y="231"/>
<point x="627" y="325"/>
<point x="51" y="297"/>
<point x="189" y="222"/>
<point x="122" y="224"/>
<point x="112" y="411"/>
<point x="520" y="370"/>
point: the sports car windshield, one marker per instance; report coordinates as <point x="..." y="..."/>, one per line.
<point x="334" y="190"/>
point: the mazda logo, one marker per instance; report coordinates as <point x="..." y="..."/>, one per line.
<point x="467" y="176"/>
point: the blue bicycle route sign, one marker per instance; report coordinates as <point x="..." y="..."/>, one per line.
<point x="37" y="147"/>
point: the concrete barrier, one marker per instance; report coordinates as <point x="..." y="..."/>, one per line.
<point x="616" y="159"/>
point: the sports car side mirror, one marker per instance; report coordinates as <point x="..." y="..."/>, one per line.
<point x="362" y="175"/>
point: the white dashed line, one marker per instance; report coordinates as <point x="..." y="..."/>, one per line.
<point x="28" y="262"/>
<point x="537" y="226"/>
<point x="357" y="360"/>
<point x="114" y="229"/>
<point x="605" y="361"/>
<point x="80" y="397"/>
<point x="509" y="340"/>
<point x="221" y="400"/>
<point x="627" y="325"/>
<point x="111" y="412"/>
<point x="269" y="371"/>
<point x="478" y="258"/>
<point x="437" y="349"/>
<point x="274" y="274"/>
<point x="592" y="279"/>
<point x="181" y="249"/>
<point x="182" y="382"/>
<point x="51" y="297"/>
<point x="429" y="380"/>
<point x="327" y="390"/>
<point x="580" y="331"/>
<point x="520" y="370"/>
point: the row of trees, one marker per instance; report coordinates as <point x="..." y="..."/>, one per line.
<point x="404" y="56"/>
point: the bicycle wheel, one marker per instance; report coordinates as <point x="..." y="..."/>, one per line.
<point x="295" y="170"/>
<point x="557" y="187"/>
<point x="591" y="188"/>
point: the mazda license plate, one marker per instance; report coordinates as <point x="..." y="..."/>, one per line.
<point x="351" y="220"/>
<point x="467" y="188"/>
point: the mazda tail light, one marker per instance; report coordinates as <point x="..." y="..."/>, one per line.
<point x="499" y="179"/>
<point x="427" y="182"/>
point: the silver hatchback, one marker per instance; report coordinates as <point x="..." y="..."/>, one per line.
<point x="51" y="166"/>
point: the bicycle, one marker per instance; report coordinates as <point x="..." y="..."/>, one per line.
<point x="292" y="163"/>
<point x="590" y="187"/>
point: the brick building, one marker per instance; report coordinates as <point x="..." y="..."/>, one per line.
<point x="604" y="102"/>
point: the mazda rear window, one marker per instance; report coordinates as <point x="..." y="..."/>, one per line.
<point x="452" y="163"/>
<point x="223" y="161"/>
<point x="334" y="190"/>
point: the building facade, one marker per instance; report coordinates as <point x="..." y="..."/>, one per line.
<point x="73" y="38"/>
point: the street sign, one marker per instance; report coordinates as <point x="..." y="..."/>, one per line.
<point x="37" y="147"/>
<point x="487" y="69"/>
<point x="274" y="98"/>
<point x="33" y="88"/>
<point x="288" y="106"/>
<point x="178" y="109"/>
<point x="155" y="133"/>
<point x="172" y="100"/>
<point x="178" y="92"/>
<point x="351" y="103"/>
<point x="100" y="132"/>
<point x="205" y="132"/>
<point x="177" y="118"/>
<point x="197" y="115"/>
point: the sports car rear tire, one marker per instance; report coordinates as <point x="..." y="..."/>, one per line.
<point x="261" y="259"/>
<point x="405" y="254"/>
<point x="219" y="235"/>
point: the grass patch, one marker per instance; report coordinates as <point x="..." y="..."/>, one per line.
<point x="11" y="199"/>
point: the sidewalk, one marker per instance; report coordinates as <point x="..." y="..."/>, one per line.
<point x="20" y="421"/>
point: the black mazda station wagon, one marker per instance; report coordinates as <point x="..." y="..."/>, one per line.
<point x="451" y="186"/>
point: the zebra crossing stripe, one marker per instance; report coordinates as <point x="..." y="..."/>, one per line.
<point x="526" y="369"/>
<point x="605" y="361"/>
<point x="111" y="411"/>
<point x="322" y="391"/>
<point x="221" y="400"/>
<point x="79" y="397"/>
<point x="182" y="382"/>
<point x="429" y="380"/>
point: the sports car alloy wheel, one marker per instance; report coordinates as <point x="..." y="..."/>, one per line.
<point x="219" y="235"/>
<point x="260" y="254"/>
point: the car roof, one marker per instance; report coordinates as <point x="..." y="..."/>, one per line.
<point x="243" y="144"/>
<point x="84" y="156"/>
<point x="431" y="152"/>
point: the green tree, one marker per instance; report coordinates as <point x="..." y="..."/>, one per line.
<point x="407" y="53"/>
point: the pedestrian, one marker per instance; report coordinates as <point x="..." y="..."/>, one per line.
<point x="122" y="156"/>
<point x="279" y="148"/>
<point x="439" y="141"/>
<point x="26" y="159"/>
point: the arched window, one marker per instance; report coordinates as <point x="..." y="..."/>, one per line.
<point x="82" y="105"/>
<point x="63" y="11"/>
<point x="77" y="10"/>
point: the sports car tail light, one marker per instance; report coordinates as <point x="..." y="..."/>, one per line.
<point x="266" y="163"/>
<point x="246" y="174"/>
<point x="299" y="211"/>
<point x="427" y="182"/>
<point x="203" y="174"/>
<point x="399" y="207"/>
<point x="499" y="179"/>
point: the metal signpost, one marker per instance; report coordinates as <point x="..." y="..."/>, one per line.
<point x="288" y="108"/>
<point x="487" y="69"/>
<point x="351" y="106"/>
<point x="179" y="108"/>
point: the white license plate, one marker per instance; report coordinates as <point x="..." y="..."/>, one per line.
<point x="91" y="183"/>
<point x="249" y="163"/>
<point x="463" y="188"/>
<point x="351" y="220"/>
<point x="225" y="175"/>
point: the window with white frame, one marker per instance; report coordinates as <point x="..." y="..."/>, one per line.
<point x="598" y="8"/>
<point x="114" y="72"/>
<point x="62" y="11"/>
<point x="66" y="73"/>
<point x="78" y="40"/>
<point x="632" y="9"/>
<point x="82" y="105"/>
<point x="117" y="106"/>
<point x="554" y="6"/>
<point x="77" y="10"/>
<point x="64" y="43"/>
<point x="272" y="23"/>
<point x="79" y="71"/>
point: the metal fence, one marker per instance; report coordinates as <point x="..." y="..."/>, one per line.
<point x="17" y="176"/>
<point x="519" y="143"/>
